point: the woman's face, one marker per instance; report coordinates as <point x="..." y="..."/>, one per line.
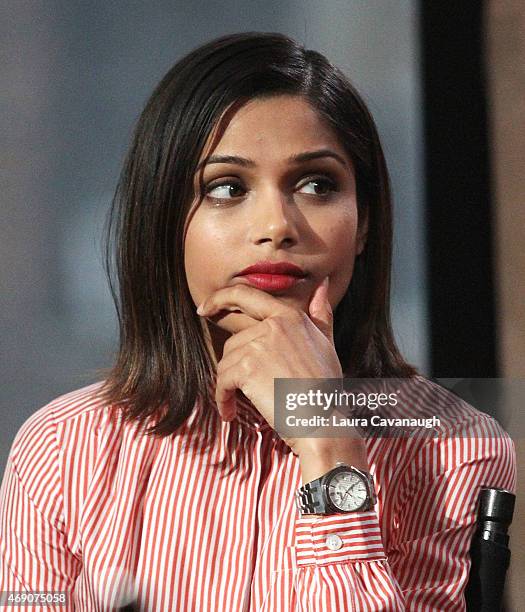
<point x="265" y="203"/>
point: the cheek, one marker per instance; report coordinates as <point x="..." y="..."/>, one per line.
<point x="341" y="237"/>
<point x="206" y="254"/>
<point x="195" y="262"/>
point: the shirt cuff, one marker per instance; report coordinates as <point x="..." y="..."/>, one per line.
<point x="338" y="538"/>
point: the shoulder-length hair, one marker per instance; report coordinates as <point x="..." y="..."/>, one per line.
<point x="163" y="365"/>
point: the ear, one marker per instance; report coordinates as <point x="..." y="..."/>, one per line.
<point x="362" y="231"/>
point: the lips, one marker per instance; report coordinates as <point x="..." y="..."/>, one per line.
<point x="272" y="282"/>
<point x="273" y="276"/>
<point x="274" y="268"/>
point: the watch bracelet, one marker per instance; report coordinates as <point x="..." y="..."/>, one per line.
<point x="306" y="502"/>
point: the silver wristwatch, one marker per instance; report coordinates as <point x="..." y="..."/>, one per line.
<point x="344" y="488"/>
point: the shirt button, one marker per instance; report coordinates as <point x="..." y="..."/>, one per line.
<point x="334" y="542"/>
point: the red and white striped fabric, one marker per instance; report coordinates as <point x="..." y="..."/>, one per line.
<point x="91" y="506"/>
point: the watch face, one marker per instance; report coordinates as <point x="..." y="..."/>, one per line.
<point x="347" y="491"/>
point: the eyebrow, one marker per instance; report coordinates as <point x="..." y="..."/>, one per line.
<point x="294" y="159"/>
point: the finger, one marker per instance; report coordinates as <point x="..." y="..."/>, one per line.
<point x="244" y="337"/>
<point x="233" y="322"/>
<point x="252" y="302"/>
<point x="320" y="309"/>
<point x="227" y="384"/>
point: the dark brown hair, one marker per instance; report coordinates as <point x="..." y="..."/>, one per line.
<point x="163" y="365"/>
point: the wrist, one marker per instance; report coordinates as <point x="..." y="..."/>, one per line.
<point x="342" y="489"/>
<point x="320" y="455"/>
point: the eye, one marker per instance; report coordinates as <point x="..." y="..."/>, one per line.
<point x="319" y="186"/>
<point x="223" y="191"/>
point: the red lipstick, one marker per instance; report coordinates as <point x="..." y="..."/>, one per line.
<point x="273" y="276"/>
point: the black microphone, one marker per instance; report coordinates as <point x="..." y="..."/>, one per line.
<point x="489" y="551"/>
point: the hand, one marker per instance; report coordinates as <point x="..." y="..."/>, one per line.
<point x="270" y="340"/>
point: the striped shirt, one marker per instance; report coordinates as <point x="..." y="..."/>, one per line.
<point x="91" y="506"/>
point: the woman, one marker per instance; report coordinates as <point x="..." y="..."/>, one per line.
<point x="167" y="483"/>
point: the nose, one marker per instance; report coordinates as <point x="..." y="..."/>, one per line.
<point x="274" y="220"/>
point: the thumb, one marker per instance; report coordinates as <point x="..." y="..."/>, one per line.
<point x="320" y="310"/>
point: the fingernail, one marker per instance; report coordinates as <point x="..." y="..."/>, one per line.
<point x="200" y="309"/>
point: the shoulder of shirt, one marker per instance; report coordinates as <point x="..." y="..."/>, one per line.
<point x="466" y="437"/>
<point x="458" y="417"/>
<point x="458" y="420"/>
<point x="43" y="423"/>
